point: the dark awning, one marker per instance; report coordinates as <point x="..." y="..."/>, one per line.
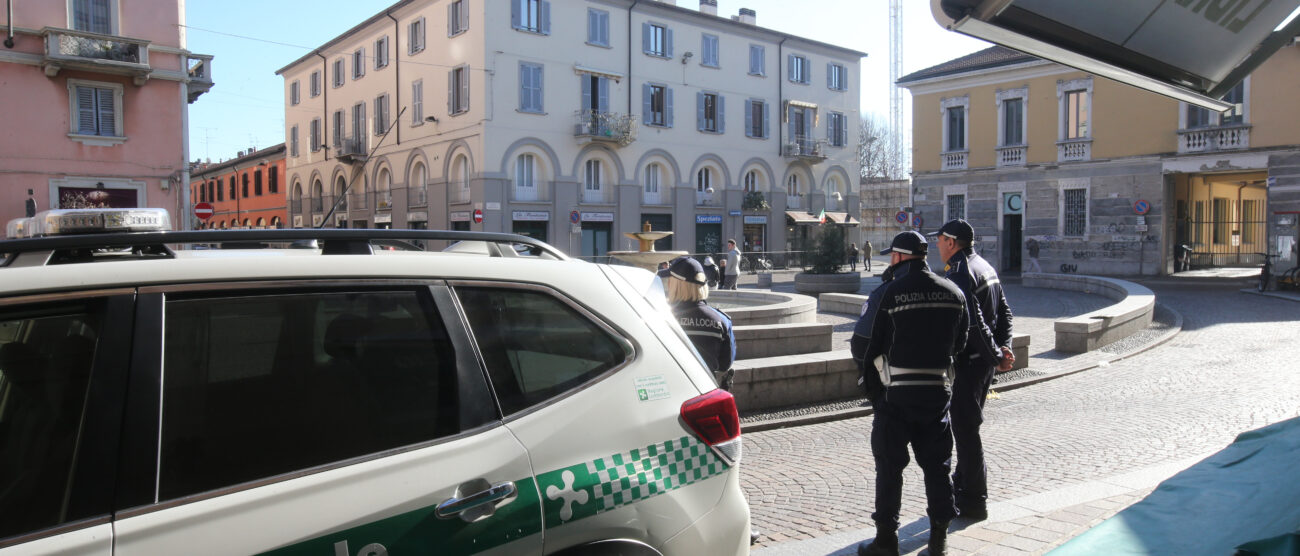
<point x="800" y="217"/>
<point x="842" y="218"/>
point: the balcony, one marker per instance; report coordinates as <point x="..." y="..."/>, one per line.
<point x="599" y="196"/>
<point x="1011" y="156"/>
<point x="384" y="200"/>
<point x="661" y="197"/>
<point x="352" y="151"/>
<point x="537" y="192"/>
<point x="608" y="127"/>
<point x="955" y="160"/>
<point x="199" y="69"/>
<point x="417" y="196"/>
<point x="793" y="201"/>
<point x="806" y="149"/>
<point x="78" y="50"/>
<point x="1073" y="150"/>
<point x="1214" y="139"/>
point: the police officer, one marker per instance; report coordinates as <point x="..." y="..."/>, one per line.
<point x="904" y="343"/>
<point x="988" y="347"/>
<point x="708" y="328"/>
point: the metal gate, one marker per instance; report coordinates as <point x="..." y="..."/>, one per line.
<point x="1221" y="231"/>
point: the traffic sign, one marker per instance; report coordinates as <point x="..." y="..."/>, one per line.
<point x="574" y="216"/>
<point x="901" y="217"/>
<point x="916" y="221"/>
<point x="203" y="211"/>
<point x="1141" y="207"/>
<point x="478" y="216"/>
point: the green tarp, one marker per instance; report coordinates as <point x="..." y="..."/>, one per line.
<point x="1249" y="491"/>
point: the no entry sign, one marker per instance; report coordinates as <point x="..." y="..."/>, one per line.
<point x="203" y="211"/>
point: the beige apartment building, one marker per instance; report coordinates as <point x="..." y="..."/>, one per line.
<point x="1097" y="177"/>
<point x="574" y="122"/>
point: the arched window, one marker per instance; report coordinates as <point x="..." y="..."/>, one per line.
<point x="834" y="193"/>
<point x="703" y="180"/>
<point x="276" y="222"/>
<point x="460" y="179"/>
<point x="417" y="191"/>
<point x="261" y="222"/>
<point x="339" y="186"/>
<point x="751" y="181"/>
<point x="792" y="185"/>
<point x="591" y="175"/>
<point x="383" y="191"/>
<point x="525" y="171"/>
<point x="247" y="222"/>
<point x="652" y="178"/>
<point x="317" y="195"/>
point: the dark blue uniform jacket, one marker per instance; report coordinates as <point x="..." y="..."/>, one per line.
<point x="990" y="323"/>
<point x="710" y="331"/>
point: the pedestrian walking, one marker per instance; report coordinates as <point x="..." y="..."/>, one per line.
<point x="731" y="272"/>
<point x="988" y="347"/>
<point x="913" y="326"/>
<point x="708" y="328"/>
<point x="1032" y="246"/>
<point x="867" y="250"/>
<point x="853" y="257"/>
<point x="711" y="272"/>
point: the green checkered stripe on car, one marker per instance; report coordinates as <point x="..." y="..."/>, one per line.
<point x="586" y="489"/>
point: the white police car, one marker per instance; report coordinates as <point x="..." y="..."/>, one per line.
<point x="343" y="400"/>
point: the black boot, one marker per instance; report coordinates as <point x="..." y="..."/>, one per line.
<point x="938" y="540"/>
<point x="885" y="544"/>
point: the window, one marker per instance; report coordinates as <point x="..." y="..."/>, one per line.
<point x="458" y="90"/>
<point x="96" y="108"/>
<point x="272" y="179"/>
<point x="294" y="96"/>
<point x="46" y="356"/>
<point x="381" y="114"/>
<point x="657" y="40"/>
<point x="359" y="63"/>
<point x="799" y="70"/>
<point x="1198" y="117"/>
<point x="1075" y="207"/>
<point x="525" y="171"/>
<point x="1013" y="121"/>
<point x="756" y="119"/>
<point x="94" y="16"/>
<point x="457" y="18"/>
<point x="597" y="27"/>
<point x="293" y="141"/>
<point x="535" y="346"/>
<point x="338" y="72"/>
<point x="751" y="181"/>
<point x="657" y="105"/>
<point x="221" y="189"/>
<point x="954" y="128"/>
<point x="1076" y="114"/>
<point x="710" y="109"/>
<point x="417" y="102"/>
<point x="1237" y="98"/>
<point x="652" y="178"/>
<point x="1222" y="220"/>
<point x="243" y="179"/>
<point x="709" y="50"/>
<point x="1250" y="220"/>
<point x="757" y="60"/>
<point x="415" y="36"/>
<point x="345" y="374"/>
<point x="530" y="87"/>
<point x="359" y="124"/>
<point x="314" y="84"/>
<point x="591" y="175"/>
<point x="704" y="180"/>
<point x="257" y="182"/>
<point x="531" y="15"/>
<point x="338" y="128"/>
<point x="837" y="77"/>
<point x="234" y="187"/>
<point x="956" y="207"/>
<point x="792" y="185"/>
<point x="313" y="135"/>
<point x="837" y="130"/>
<point x="381" y="52"/>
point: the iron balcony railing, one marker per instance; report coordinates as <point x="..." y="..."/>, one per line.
<point x="605" y="126"/>
<point x="805" y="148"/>
<point x="417" y="196"/>
<point x="79" y="50"/>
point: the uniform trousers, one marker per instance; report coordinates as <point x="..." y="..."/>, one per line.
<point x="926" y="427"/>
<point x="969" y="390"/>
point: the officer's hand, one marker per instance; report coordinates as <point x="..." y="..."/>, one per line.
<point x="1008" y="359"/>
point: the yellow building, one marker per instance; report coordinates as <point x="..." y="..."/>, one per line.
<point x="1067" y="172"/>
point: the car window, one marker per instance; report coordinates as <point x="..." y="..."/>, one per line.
<point x="536" y="346"/>
<point x="45" y="362"/>
<point x="260" y="385"/>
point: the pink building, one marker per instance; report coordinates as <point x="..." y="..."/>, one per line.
<point x="94" y="96"/>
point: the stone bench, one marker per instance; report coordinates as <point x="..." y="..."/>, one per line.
<point x="770" y="382"/>
<point x="1132" y="311"/>
<point x="768" y="340"/>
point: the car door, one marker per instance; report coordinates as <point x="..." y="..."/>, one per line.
<point x="298" y="418"/>
<point x="62" y="375"/>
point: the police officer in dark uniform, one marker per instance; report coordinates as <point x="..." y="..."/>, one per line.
<point x="904" y="344"/>
<point x="988" y="347"/>
<point x="708" y="328"/>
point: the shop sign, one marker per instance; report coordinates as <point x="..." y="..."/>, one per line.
<point x="756" y="220"/>
<point x="531" y="215"/>
<point x="708" y="219"/>
<point x="597" y="217"/>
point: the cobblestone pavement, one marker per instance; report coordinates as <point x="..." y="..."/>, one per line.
<point x="1063" y="454"/>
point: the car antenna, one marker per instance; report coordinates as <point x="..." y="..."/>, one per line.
<point x="348" y="187"/>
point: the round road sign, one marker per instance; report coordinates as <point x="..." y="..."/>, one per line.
<point x="901" y="217"/>
<point x="1141" y="207"/>
<point x="916" y="221"/>
<point x="478" y="216"/>
<point x="203" y="211"/>
<point x="574" y="217"/>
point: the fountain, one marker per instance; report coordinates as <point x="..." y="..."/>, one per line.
<point x="646" y="257"/>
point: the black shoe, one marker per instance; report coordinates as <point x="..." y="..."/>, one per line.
<point x="753" y="536"/>
<point x="885" y="544"/>
<point x="938" y="545"/>
<point x="974" y="512"/>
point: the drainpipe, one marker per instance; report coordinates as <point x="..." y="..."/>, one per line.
<point x="325" y="107"/>
<point x="629" y="57"/>
<point x="397" y="76"/>
<point x="9" y="40"/>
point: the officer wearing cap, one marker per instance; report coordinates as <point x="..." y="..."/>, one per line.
<point x="988" y="347"/>
<point x="708" y="328"/>
<point x="912" y="327"/>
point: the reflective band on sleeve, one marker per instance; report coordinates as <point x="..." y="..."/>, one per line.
<point x="911" y="306"/>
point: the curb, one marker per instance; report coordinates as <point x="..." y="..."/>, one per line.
<point x="829" y="416"/>
<point x="1274" y="295"/>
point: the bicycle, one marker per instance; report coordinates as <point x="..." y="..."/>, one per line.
<point x="755" y="264"/>
<point x="1266" y="271"/>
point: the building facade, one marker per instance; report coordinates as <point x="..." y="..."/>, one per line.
<point x="100" y="90"/>
<point x="573" y="122"/>
<point x="1097" y="177"/>
<point x="246" y="192"/>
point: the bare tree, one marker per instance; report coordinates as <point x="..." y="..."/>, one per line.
<point x="878" y="164"/>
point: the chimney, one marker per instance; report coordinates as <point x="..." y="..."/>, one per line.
<point x="709" y="7"/>
<point x="748" y="16"/>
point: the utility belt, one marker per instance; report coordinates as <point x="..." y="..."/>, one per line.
<point x="918" y="377"/>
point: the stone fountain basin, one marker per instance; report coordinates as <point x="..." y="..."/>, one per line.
<point x="748" y="307"/>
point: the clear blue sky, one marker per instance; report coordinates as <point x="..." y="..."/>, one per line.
<point x="251" y="40"/>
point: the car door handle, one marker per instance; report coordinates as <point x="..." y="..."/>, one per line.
<point x="475" y="500"/>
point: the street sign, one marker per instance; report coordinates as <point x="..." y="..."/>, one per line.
<point x="478" y="216"/>
<point x="916" y="221"/>
<point x="203" y="211"/>
<point x="1141" y="207"/>
<point x="901" y="217"/>
<point x="573" y="217"/>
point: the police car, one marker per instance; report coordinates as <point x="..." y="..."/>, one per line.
<point x="305" y="392"/>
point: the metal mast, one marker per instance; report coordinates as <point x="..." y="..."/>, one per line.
<point x="896" y="131"/>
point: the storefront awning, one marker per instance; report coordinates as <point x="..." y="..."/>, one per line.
<point x="841" y="218"/>
<point x="800" y="217"/>
<point x="579" y="68"/>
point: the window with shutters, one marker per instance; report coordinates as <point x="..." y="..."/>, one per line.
<point x="95" y="111"/>
<point x="417" y="102"/>
<point x="338" y="127"/>
<point x="294" y="97"/>
<point x="257" y="182"/>
<point x="597" y="27"/>
<point x="359" y="124"/>
<point x="837" y="130"/>
<point x="799" y="70"/>
<point x="273" y="179"/>
<point x="656" y="40"/>
<point x="359" y="63"/>
<point x="415" y="36"/>
<point x="94" y="16"/>
<point x="709" y="51"/>
<point x="381" y="114"/>
<point x="381" y="52"/>
<point x="458" y="90"/>
<point x="709" y="112"/>
<point x="658" y="105"/>
<point x="243" y="190"/>
<point x="837" y="77"/>
<point x="530" y="88"/>
<point x="313" y="135"/>
<point x="533" y="16"/>
<point x="314" y="84"/>
<point x="757" y="60"/>
<point x="756" y="118"/>
<point x="293" y="141"/>
<point x="338" y="72"/>
<point x="457" y="18"/>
